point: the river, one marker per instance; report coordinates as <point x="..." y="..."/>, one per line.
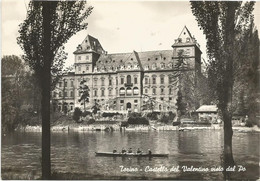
<point x="73" y="152"/>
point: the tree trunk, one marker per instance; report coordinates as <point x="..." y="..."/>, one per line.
<point x="227" y="152"/>
<point x="47" y="14"/>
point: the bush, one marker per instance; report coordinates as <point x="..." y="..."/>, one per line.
<point x="165" y="119"/>
<point x="137" y="120"/>
<point x="91" y="121"/>
<point x="85" y="113"/>
<point x="153" y="115"/>
<point x="108" y="114"/>
<point x="124" y="124"/>
<point x="77" y="113"/>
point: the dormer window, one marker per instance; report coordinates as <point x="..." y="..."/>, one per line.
<point x="79" y="47"/>
<point x="162" y="66"/>
<point x="154" y="66"/>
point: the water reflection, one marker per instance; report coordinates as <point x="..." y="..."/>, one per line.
<point x="75" y="153"/>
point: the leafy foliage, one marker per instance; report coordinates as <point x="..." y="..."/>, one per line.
<point x="149" y="104"/>
<point x="77" y="113"/>
<point x="20" y="94"/>
<point x="225" y="25"/>
<point x="84" y="93"/>
<point x="47" y="27"/>
<point x="68" y="18"/>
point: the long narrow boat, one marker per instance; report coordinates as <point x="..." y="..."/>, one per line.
<point x="130" y="154"/>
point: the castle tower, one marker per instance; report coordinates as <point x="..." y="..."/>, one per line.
<point x="190" y="49"/>
<point x="87" y="54"/>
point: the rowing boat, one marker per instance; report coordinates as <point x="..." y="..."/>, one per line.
<point x="130" y="154"/>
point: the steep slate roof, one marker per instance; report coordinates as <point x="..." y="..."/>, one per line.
<point x="150" y="58"/>
<point x="207" y="108"/>
<point x="139" y="60"/>
<point x="89" y="44"/>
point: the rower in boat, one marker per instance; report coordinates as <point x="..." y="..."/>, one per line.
<point x="149" y="152"/>
<point x="139" y="151"/>
<point x="114" y="151"/>
<point x="123" y="151"/>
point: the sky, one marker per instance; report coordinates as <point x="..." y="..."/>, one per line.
<point x="120" y="26"/>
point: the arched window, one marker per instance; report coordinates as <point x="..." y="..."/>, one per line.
<point x="136" y="91"/>
<point x="122" y="91"/>
<point x="128" y="79"/>
<point x="128" y="91"/>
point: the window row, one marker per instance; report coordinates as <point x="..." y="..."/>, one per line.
<point x="81" y="57"/>
<point x="154" y="80"/>
<point x="128" y="91"/>
<point x="81" y="68"/>
<point x="65" y="83"/>
<point x="162" y="91"/>
<point x="162" y="66"/>
<point x="64" y="94"/>
<point x="115" y="68"/>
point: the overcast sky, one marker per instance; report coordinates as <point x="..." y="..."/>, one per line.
<point x="120" y="26"/>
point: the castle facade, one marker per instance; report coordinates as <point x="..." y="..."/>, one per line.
<point x="124" y="82"/>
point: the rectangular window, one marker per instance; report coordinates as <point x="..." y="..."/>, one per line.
<point x="154" y="80"/>
<point x="79" y="93"/>
<point x="146" y="80"/>
<point x="79" y="68"/>
<point x="102" y="81"/>
<point x="110" y="92"/>
<point x="135" y="101"/>
<point x="135" y="80"/>
<point x="87" y="57"/>
<point x="95" y="93"/>
<point x="60" y="84"/>
<point x="71" y="83"/>
<point x="65" y="93"/>
<point x="170" y="80"/>
<point x="103" y="93"/>
<point x="154" y="91"/>
<point x="170" y="98"/>
<point x="87" y="68"/>
<point x="162" y="80"/>
<point x="71" y="94"/>
<point x="65" y="84"/>
<point x="162" y="99"/>
<point x="170" y="90"/>
<point x="122" y="80"/>
<point x="110" y="82"/>
<point x="146" y="91"/>
<point x="95" y="81"/>
<point x="121" y="101"/>
<point x="79" y="57"/>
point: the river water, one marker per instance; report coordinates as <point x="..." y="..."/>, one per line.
<point x="73" y="152"/>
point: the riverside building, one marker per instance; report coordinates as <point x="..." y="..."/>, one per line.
<point x="124" y="82"/>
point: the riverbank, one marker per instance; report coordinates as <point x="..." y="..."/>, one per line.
<point x="79" y="127"/>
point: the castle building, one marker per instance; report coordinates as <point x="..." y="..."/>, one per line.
<point x="124" y="82"/>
